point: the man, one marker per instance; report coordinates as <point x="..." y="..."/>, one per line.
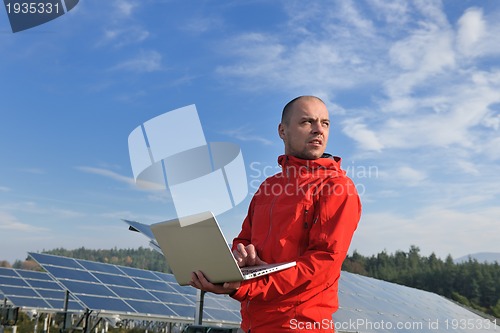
<point x="308" y="214"/>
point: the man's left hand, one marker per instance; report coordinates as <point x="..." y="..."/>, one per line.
<point x="199" y="281"/>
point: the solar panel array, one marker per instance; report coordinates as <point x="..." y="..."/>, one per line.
<point x="371" y="305"/>
<point x="366" y="304"/>
<point x="31" y="289"/>
<point x="134" y="293"/>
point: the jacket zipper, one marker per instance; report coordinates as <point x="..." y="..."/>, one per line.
<point x="271" y="209"/>
<point x="248" y="315"/>
<point x="270" y="220"/>
<point x="305" y="225"/>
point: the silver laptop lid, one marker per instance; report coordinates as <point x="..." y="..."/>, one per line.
<point x="195" y="243"/>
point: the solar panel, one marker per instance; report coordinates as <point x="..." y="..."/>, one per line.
<point x="30" y="289"/>
<point x="370" y="305"/>
<point x="134" y="293"/>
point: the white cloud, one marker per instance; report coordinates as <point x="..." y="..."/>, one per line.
<point x="458" y="114"/>
<point x="409" y="176"/>
<point x="201" y="24"/>
<point x="121" y="27"/>
<point x="492" y="121"/>
<point x="433" y="96"/>
<point x="350" y="13"/>
<point x="434" y="229"/>
<point x="4" y="189"/>
<point x="359" y="132"/>
<point x="9" y="222"/>
<point x="492" y="149"/>
<point x="246" y="134"/>
<point x="35" y="208"/>
<point x="145" y="62"/>
<point x="158" y="190"/>
<point x="394" y="12"/>
<point x="124" y="7"/>
<point x="108" y="174"/>
<point x="319" y="49"/>
<point x="121" y="36"/>
<point x="431" y="10"/>
<point x="310" y="64"/>
<point x="426" y="52"/>
<point x="468" y="167"/>
<point x="471" y="29"/>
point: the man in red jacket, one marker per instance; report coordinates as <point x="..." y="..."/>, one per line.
<point x="306" y="213"/>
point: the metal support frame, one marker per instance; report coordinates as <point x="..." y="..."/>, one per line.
<point x="198" y="316"/>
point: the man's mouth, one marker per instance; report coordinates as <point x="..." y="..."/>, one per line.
<point x="316" y="142"/>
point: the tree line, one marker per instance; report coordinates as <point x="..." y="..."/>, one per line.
<point x="143" y="258"/>
<point x="474" y="284"/>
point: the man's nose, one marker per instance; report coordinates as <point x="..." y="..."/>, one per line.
<point x="317" y="128"/>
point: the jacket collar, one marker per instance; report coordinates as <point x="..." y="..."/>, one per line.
<point x="326" y="161"/>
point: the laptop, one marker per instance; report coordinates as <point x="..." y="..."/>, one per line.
<point x="196" y="243"/>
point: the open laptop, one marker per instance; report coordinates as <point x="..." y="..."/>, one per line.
<point x="196" y="243"/>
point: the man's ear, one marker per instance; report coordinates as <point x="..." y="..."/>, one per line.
<point x="281" y="131"/>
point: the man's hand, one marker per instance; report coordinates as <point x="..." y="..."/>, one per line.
<point x="199" y="281"/>
<point x="247" y="255"/>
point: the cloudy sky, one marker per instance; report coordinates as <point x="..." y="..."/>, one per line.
<point x="413" y="89"/>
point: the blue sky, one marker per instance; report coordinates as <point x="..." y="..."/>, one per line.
<point x="413" y="89"/>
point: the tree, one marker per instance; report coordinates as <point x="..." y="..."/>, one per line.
<point x="30" y="265"/>
<point x="495" y="310"/>
<point x="5" y="263"/>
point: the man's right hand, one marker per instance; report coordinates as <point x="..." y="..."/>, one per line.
<point x="247" y="255"/>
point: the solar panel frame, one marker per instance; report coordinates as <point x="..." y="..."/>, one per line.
<point x="14" y="282"/>
<point x="32" y="289"/>
<point x="105" y="304"/>
<point x="29" y="302"/>
<point x="174" y="298"/>
<point x="100" y="267"/>
<point x="64" y="273"/>
<point x="87" y="288"/>
<point x="116" y="280"/>
<point x="184" y="311"/>
<point x="125" y="291"/>
<point x="19" y="291"/>
<point x="4" y="271"/>
<point x="34" y="275"/>
<point x="134" y="294"/>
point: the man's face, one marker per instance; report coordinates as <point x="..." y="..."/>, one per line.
<point x="305" y="134"/>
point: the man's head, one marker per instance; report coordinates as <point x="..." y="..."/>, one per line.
<point x="304" y="127"/>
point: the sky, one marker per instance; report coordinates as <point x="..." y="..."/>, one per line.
<point x="413" y="90"/>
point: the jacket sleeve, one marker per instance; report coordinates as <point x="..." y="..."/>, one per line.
<point x="319" y="267"/>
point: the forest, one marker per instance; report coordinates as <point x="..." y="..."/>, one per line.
<point x="143" y="258"/>
<point x="471" y="283"/>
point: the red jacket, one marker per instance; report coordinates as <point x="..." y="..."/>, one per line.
<point x="308" y="214"/>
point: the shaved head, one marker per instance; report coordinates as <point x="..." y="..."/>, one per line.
<point x="287" y="110"/>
